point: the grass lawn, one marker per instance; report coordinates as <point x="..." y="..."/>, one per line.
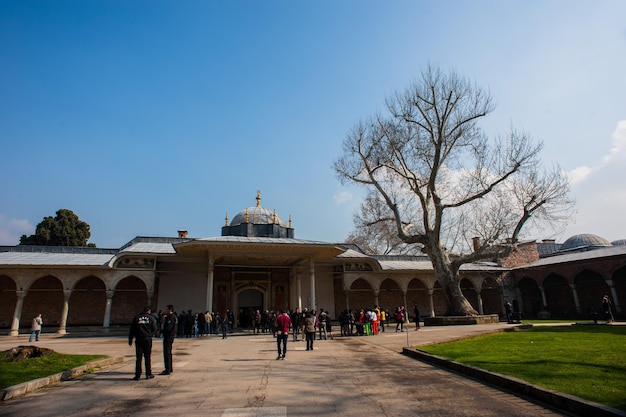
<point x="13" y="373"/>
<point x="584" y="360"/>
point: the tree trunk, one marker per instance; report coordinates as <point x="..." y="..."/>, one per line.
<point x="458" y="305"/>
<point x="448" y="278"/>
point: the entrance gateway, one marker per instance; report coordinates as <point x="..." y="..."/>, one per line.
<point x="256" y="264"/>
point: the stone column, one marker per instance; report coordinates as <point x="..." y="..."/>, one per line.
<point x="480" y="302"/>
<point x="66" y="311"/>
<point x="209" y="285"/>
<point x="312" y="276"/>
<point x="616" y="302"/>
<point x="17" y="313"/>
<point x="543" y="313"/>
<point x="376" y="292"/>
<point x="151" y="299"/>
<point x="406" y="308"/>
<point x="575" y="294"/>
<point x="107" y="309"/>
<point x="299" y="290"/>
<point x="543" y="298"/>
<point x="431" y="301"/>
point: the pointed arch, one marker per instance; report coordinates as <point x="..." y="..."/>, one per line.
<point x="87" y="302"/>
<point x="45" y="296"/>
<point x="8" y="300"/>
<point x="531" y="297"/>
<point x="591" y="287"/>
<point x="491" y="294"/>
<point x="361" y="294"/>
<point x="130" y="298"/>
<point x="389" y="294"/>
<point x="417" y="293"/>
<point x="559" y="298"/>
<point x="619" y="284"/>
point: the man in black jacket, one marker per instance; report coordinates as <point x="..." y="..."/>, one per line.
<point x="170" y="324"/>
<point x="142" y="329"/>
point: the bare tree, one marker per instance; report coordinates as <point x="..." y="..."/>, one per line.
<point x="443" y="181"/>
<point x="374" y="233"/>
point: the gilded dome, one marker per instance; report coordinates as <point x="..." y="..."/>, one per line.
<point x="584" y="241"/>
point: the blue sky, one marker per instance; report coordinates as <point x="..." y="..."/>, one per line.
<point x="147" y="117"/>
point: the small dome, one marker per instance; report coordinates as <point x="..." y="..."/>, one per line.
<point x="256" y="215"/>
<point x="621" y="242"/>
<point x="584" y="241"/>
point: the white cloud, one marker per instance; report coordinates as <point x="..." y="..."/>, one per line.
<point x="600" y="192"/>
<point x="616" y="153"/>
<point x="12" y="229"/>
<point x="579" y="174"/>
<point x="342" y="197"/>
<point x="618" y="150"/>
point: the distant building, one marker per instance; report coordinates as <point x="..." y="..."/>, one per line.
<point x="258" y="264"/>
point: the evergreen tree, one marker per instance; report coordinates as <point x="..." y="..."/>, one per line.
<point x="66" y="229"/>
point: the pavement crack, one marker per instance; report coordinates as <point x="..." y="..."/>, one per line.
<point x="258" y="398"/>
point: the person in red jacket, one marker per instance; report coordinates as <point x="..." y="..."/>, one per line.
<point x="282" y="331"/>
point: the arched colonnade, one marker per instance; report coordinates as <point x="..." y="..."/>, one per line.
<point x="73" y="298"/>
<point x="560" y="293"/>
<point x="483" y="291"/>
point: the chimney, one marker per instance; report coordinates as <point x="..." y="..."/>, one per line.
<point x="476" y="243"/>
<point x="182" y="233"/>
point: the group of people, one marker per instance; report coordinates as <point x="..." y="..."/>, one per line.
<point x="202" y="324"/>
<point x="166" y="324"/>
<point x="372" y="321"/>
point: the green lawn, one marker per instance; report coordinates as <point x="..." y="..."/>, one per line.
<point x="13" y="373"/>
<point x="587" y="361"/>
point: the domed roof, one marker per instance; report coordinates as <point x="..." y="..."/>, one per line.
<point x="257" y="215"/>
<point x="584" y="241"/>
<point x="621" y="242"/>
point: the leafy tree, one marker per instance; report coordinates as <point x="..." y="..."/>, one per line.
<point x="435" y="177"/>
<point x="66" y="229"/>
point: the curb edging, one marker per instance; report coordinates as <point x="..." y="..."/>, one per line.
<point x="565" y="402"/>
<point x="24" y="388"/>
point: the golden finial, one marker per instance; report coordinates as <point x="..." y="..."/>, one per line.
<point x="275" y="220"/>
<point x="226" y="218"/>
<point x="290" y="222"/>
<point x="258" y="198"/>
<point x="246" y="215"/>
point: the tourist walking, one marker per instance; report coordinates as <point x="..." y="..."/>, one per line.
<point x="296" y="322"/>
<point x="257" y="322"/>
<point x="400" y="319"/>
<point x="309" y="330"/>
<point x="321" y="325"/>
<point x="35" y="328"/>
<point x="607" y="311"/>
<point x="142" y="329"/>
<point x="508" y="309"/>
<point x="225" y="325"/>
<point x="416" y="315"/>
<point x="169" y="325"/>
<point x="283" y="321"/>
